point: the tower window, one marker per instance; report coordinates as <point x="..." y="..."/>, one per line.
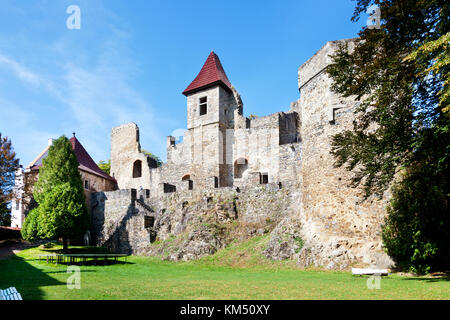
<point x="203" y="106"/>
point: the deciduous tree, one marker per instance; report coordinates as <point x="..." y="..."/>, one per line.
<point x="399" y="73"/>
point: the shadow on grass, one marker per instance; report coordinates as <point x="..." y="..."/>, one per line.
<point x="91" y="263"/>
<point x="426" y="279"/>
<point x="18" y="273"/>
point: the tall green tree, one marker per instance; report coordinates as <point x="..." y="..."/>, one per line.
<point x="8" y="165"/>
<point x="60" y="196"/>
<point x="399" y="73"/>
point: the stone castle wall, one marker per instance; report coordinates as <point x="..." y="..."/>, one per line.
<point x="224" y="155"/>
<point x="332" y="212"/>
<point x="195" y="217"/>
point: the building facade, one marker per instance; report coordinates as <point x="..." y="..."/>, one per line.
<point x="220" y="148"/>
<point x="94" y="180"/>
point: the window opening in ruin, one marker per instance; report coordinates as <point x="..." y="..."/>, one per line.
<point x="203" y="106"/>
<point x="147" y="193"/>
<point x="216" y="182"/>
<point x="169" y="188"/>
<point x="149" y="222"/>
<point x="187" y="177"/>
<point x="240" y="166"/>
<point x="137" y="169"/>
<point x="86" y="184"/>
<point x="263" y="178"/>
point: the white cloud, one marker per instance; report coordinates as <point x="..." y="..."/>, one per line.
<point x="93" y="93"/>
<point x="19" y="70"/>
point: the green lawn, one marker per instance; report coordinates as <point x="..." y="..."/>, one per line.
<point x="234" y="273"/>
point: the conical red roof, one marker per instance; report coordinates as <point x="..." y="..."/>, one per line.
<point x="211" y="74"/>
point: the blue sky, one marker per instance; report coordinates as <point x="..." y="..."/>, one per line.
<point x="131" y="60"/>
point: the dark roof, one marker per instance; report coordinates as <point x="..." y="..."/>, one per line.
<point x="84" y="159"/>
<point x="211" y="74"/>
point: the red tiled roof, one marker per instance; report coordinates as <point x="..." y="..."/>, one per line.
<point x="85" y="160"/>
<point x="211" y="73"/>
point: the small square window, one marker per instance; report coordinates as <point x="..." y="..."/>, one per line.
<point x="263" y="178"/>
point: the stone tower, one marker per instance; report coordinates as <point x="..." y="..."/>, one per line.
<point x="210" y="119"/>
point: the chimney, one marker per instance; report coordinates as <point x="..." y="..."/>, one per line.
<point x="50" y="142"/>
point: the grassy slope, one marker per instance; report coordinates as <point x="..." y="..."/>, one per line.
<point x="237" y="272"/>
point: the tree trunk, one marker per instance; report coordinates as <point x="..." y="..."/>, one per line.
<point x="65" y="244"/>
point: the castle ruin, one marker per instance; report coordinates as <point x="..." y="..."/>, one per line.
<point x="272" y="174"/>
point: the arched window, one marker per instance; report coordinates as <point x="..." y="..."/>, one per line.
<point x="187" y="177"/>
<point x="240" y="166"/>
<point x="137" y="169"/>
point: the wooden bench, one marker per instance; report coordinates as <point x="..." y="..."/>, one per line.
<point x="359" y="271"/>
<point x="10" y="294"/>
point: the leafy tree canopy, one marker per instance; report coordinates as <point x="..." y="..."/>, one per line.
<point x="400" y="134"/>
<point x="105" y="166"/>
<point x="399" y="73"/>
<point x="62" y="210"/>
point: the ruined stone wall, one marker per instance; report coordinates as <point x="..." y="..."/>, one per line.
<point x="268" y="144"/>
<point x="117" y="221"/>
<point x="199" y="222"/>
<point x="336" y="221"/>
<point x="125" y="155"/>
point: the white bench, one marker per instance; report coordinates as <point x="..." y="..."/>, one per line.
<point x="381" y="272"/>
<point x="10" y="294"/>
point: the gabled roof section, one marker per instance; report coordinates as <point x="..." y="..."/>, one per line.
<point x="84" y="159"/>
<point x="37" y="162"/>
<point x="211" y="74"/>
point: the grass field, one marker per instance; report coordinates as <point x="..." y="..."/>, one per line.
<point x="237" y="272"/>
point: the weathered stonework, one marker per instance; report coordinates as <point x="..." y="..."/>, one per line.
<point x="201" y="221"/>
<point x="232" y="175"/>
